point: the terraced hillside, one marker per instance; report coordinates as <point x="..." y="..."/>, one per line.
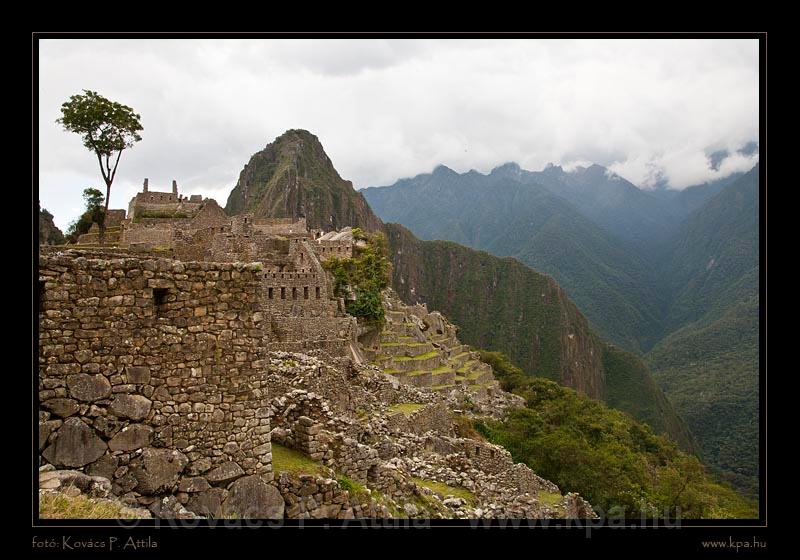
<point x="422" y="349"/>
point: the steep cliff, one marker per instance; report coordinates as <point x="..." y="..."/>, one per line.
<point x="293" y="177"/>
<point x="501" y="304"/>
<point x="49" y="234"/>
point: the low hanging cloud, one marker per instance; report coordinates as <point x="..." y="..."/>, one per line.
<point x="651" y="111"/>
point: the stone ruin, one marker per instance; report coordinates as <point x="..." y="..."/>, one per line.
<point x="172" y="364"/>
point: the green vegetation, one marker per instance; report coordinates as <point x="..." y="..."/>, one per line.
<point x="619" y="465"/>
<point x="93" y="214"/>
<point x="366" y="273"/>
<point x="709" y="366"/>
<point x="526" y="217"/>
<point x="355" y="489"/>
<point x="685" y="291"/>
<point x="405" y="408"/>
<point x="293" y="176"/>
<point x="55" y="505"/>
<point x="710" y="371"/>
<point x="445" y="490"/>
<point x="425" y="356"/>
<point x="549" y="499"/>
<point x="106" y="128"/>
<point x="294" y="462"/>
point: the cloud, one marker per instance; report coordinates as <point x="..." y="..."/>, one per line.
<point x="386" y="109"/>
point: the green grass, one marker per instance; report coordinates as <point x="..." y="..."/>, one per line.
<point x="54" y="505"/>
<point x="425" y="356"/>
<point x="406" y="408"/>
<point x="442" y="369"/>
<point x="384" y="344"/>
<point x="294" y="462"/>
<point x="549" y="499"/>
<point x="445" y="490"/>
<point x="355" y="489"/>
<point x="440" y="387"/>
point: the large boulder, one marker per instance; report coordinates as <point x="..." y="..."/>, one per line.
<point x="76" y="445"/>
<point x="225" y="473"/>
<point x="45" y="429"/>
<point x="157" y="470"/>
<point x="207" y="503"/>
<point x="94" y="486"/>
<point x="88" y="388"/>
<point x="134" y="436"/>
<point x="135" y="407"/>
<point x="252" y="498"/>
<point x="61" y="407"/>
<point x="105" y="466"/>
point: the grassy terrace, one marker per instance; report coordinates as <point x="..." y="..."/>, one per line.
<point x="294" y="462"/>
<point x="442" y="369"/>
<point x="405" y="408"/>
<point x="445" y="490"/>
<point x="425" y="356"/>
<point x="384" y="344"/>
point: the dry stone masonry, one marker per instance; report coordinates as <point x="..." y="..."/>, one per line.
<point x="183" y="371"/>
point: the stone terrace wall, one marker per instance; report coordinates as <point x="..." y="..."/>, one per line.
<point x="151" y="370"/>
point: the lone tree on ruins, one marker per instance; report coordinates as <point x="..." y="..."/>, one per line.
<point x="107" y="128"/>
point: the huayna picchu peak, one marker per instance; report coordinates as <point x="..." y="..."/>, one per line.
<point x="293" y="177"/>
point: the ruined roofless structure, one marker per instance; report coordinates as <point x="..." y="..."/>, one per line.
<point x="293" y="288"/>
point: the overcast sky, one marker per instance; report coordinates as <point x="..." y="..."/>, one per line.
<point x="385" y="109"/>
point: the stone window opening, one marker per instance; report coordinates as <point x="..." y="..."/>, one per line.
<point x="270" y="293"/>
<point x="305" y="292"/>
<point x="283" y="293"/>
<point x="41" y="296"/>
<point x="159" y="300"/>
<point x="477" y="450"/>
<point x="317" y="290"/>
<point x="294" y="293"/>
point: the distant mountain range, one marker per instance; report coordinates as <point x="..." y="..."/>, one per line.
<point x="672" y="275"/>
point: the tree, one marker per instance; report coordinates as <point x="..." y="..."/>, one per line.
<point x="94" y="214"/>
<point x="107" y="129"/>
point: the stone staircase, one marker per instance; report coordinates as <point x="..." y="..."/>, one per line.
<point x="421" y="349"/>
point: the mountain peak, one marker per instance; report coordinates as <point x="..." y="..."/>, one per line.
<point x="553" y="169"/>
<point x="509" y="169"/>
<point x="293" y="177"/>
<point x="441" y="170"/>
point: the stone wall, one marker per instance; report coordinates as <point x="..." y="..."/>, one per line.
<point x="150" y="372"/>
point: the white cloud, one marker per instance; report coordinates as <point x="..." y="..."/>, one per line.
<point x="387" y="109"/>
